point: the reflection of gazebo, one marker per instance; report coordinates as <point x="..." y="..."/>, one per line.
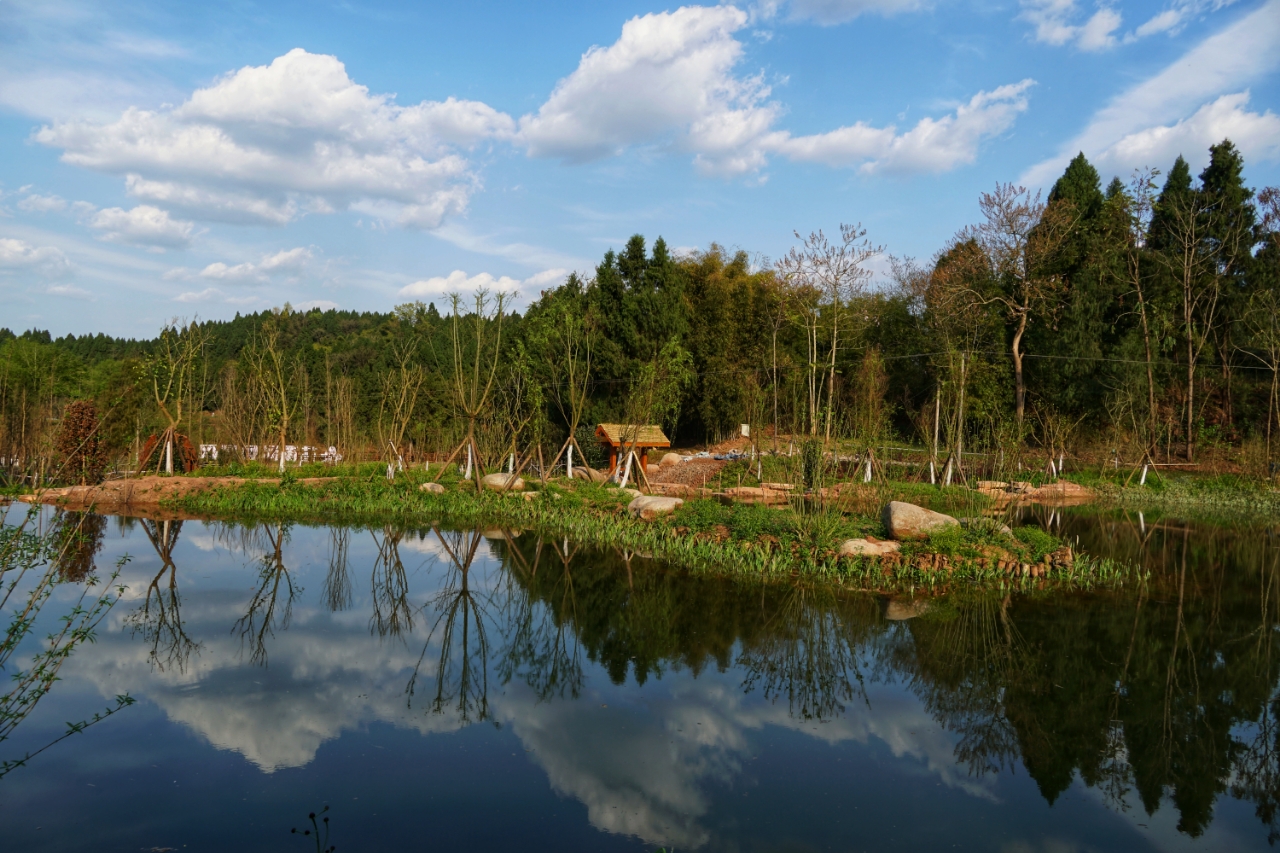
<point x="641" y="438"/>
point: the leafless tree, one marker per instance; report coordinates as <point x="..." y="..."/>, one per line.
<point x="1019" y="237"/>
<point x="827" y="276"/>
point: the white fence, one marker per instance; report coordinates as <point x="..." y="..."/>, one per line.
<point x="271" y="453"/>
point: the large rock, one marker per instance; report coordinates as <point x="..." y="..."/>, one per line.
<point x="868" y="548"/>
<point x="582" y="472"/>
<point x="650" y="507"/>
<point x="634" y="493"/>
<point x="669" y="459"/>
<point x="502" y="482"/>
<point x="433" y="488"/>
<point x="908" y="521"/>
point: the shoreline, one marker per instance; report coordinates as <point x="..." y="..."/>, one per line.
<point x="705" y="535"/>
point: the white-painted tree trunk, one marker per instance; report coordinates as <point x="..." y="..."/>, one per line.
<point x="570" y="465"/>
<point x="466" y="475"/>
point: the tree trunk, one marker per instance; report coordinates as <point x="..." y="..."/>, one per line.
<point x="1020" y="388"/>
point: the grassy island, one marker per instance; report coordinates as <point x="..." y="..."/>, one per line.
<point x="706" y="534"/>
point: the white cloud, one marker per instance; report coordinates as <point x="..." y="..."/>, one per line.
<point x="1255" y="134"/>
<point x="209" y="293"/>
<point x="1174" y="19"/>
<point x="1224" y="62"/>
<point x="828" y="12"/>
<point x="669" y="77"/>
<point x="16" y="255"/>
<point x="240" y="272"/>
<point x="266" y="142"/>
<point x="285" y="261"/>
<point x="42" y="204"/>
<point x="322" y="304"/>
<point x="70" y="291"/>
<point x="1051" y="19"/>
<point x="546" y="279"/>
<point x="143" y="225"/>
<point x="458" y="282"/>
<point x="933" y="145"/>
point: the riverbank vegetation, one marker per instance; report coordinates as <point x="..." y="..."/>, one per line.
<point x="705" y="535"/>
<point x="1126" y="325"/>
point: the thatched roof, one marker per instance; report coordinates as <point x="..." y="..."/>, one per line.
<point x="648" y="435"/>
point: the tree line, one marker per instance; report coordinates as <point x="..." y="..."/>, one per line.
<point x="1142" y="317"/>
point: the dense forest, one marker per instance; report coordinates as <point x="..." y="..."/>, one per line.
<point x="1139" y="319"/>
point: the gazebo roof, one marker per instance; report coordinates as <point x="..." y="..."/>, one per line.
<point x="647" y="435"/>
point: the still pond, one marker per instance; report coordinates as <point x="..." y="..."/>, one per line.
<point x="490" y="690"/>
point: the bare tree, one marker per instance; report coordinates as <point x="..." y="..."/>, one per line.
<point x="1191" y="259"/>
<point x="171" y="369"/>
<point x="477" y="349"/>
<point x="1019" y="236"/>
<point x="279" y="378"/>
<point x="835" y="273"/>
<point x="400" y="388"/>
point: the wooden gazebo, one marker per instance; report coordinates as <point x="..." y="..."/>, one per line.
<point x="617" y="436"/>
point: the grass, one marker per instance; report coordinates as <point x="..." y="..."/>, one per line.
<point x="702" y="536"/>
<point x="1184" y="490"/>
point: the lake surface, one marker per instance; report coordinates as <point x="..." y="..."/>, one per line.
<point x="482" y="690"/>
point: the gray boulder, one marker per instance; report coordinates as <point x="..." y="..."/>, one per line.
<point x="867" y="548"/>
<point x="433" y="488"/>
<point x="907" y="521"/>
<point x="502" y="482"/>
<point x="650" y="507"/>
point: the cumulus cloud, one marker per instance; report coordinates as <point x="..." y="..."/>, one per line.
<point x="1257" y="134"/>
<point x="42" y="204"/>
<point x="283" y="262"/>
<point x="672" y="79"/>
<point x="19" y="255"/>
<point x="143" y="225"/>
<point x="458" y="282"/>
<point x="265" y="143"/>
<point x="669" y="74"/>
<point x="1052" y="22"/>
<point x="933" y="145"/>
<point x="322" y="304"/>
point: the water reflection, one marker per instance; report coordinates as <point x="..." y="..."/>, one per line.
<point x="1165" y="693"/>
<point x="159" y="618"/>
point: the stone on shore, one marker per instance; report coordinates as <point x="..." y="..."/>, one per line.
<point x="868" y="548"/>
<point x="908" y="521"/>
<point x="503" y="482"/>
<point x="433" y="488"/>
<point x="649" y="507"/>
<point x="669" y="459"/>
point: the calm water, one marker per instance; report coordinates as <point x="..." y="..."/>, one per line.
<point x="475" y="691"/>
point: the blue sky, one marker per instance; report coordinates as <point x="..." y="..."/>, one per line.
<point x="180" y="160"/>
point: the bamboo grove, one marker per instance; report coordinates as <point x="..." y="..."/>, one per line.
<point x="1137" y="319"/>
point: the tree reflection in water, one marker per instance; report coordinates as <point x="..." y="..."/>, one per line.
<point x="542" y="648"/>
<point x="1163" y="692"/>
<point x="79" y="537"/>
<point x="810" y="655"/>
<point x="159" y="617"/>
<point x="336" y="595"/>
<point x="462" y="666"/>
<point x="389" y="587"/>
<point x="259" y="623"/>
